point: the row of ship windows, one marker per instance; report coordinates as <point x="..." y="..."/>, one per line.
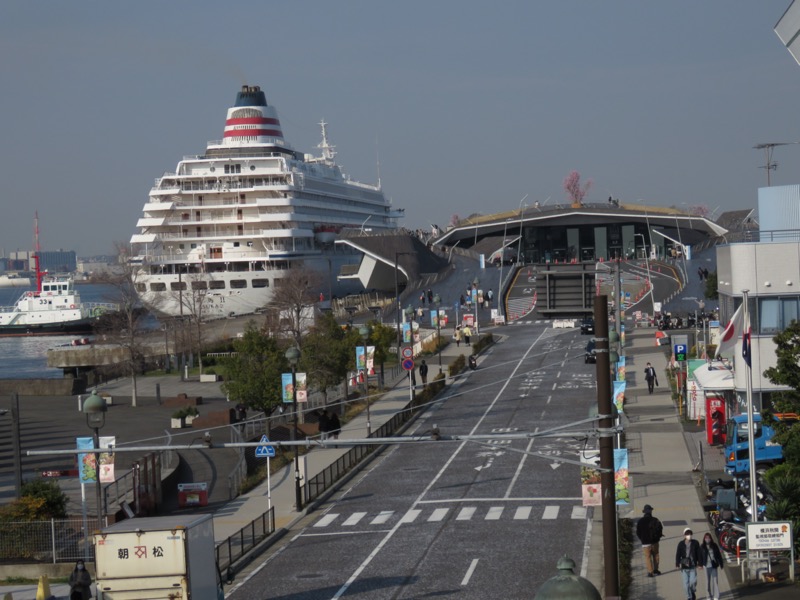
<point x="178" y="286"/>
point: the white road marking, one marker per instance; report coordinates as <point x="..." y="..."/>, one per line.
<point x="523" y="499"/>
<point x="494" y="513"/>
<point x="555" y="384"/>
<point x="470" y="571"/>
<point x="550" y="512"/>
<point x="438" y="514"/>
<point x="578" y="512"/>
<point x="410" y="516"/>
<point x="500" y="393"/>
<point x="382" y="517"/>
<point x="326" y="520"/>
<point x="354" y="519"/>
<point x="465" y="514"/>
<point x="523" y="513"/>
<point x="521" y="463"/>
<point x="548" y="402"/>
<point x="332" y="533"/>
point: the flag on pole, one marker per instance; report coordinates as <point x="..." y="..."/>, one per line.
<point x="731" y="333"/>
<point x="746" y="344"/>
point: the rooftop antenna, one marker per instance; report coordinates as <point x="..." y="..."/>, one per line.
<point x="378" y="158"/>
<point x="768" y="148"/>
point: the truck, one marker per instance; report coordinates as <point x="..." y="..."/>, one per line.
<point x="737" y="451"/>
<point x="158" y="558"/>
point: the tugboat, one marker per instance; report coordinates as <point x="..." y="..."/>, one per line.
<point x="55" y="308"/>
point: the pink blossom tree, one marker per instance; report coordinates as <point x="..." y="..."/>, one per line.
<point x="576" y="192"/>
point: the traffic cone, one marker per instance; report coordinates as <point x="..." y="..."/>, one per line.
<point x="43" y="591"/>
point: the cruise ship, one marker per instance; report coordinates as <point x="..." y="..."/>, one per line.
<point x="220" y="233"/>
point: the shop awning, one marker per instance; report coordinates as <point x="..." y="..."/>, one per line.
<point x="714" y="377"/>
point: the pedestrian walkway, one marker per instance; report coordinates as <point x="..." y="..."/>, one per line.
<point x="661" y="471"/>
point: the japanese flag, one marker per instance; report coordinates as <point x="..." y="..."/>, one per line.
<point x="731" y="334"/>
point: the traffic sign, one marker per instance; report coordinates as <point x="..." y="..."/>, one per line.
<point x="680" y="352"/>
<point x="408" y="352"/>
<point x="408" y="364"/>
<point x="265" y="450"/>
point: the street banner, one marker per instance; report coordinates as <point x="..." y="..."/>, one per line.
<point x="590" y="478"/>
<point x="361" y="358"/>
<point x="87" y="463"/>
<point x="622" y="490"/>
<point x="302" y="387"/>
<point x="621" y="369"/>
<point x="434" y="318"/>
<point x="406" y="333"/>
<point x="622" y="331"/>
<point x="371" y="360"/>
<point x="287" y="389"/>
<point x="619" y="394"/>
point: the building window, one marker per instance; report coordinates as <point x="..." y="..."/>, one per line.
<point x="238" y="283"/>
<point x="216" y="285"/>
<point x="260" y="283"/>
<point x="199" y="285"/>
<point x="776" y="314"/>
<point x="141" y="287"/>
<point x="177" y="286"/>
<point x="158" y="287"/>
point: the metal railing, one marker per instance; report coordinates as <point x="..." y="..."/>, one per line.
<point x="244" y="540"/>
<point x="53" y="541"/>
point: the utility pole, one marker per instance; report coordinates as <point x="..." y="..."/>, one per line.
<point x="606" y="444"/>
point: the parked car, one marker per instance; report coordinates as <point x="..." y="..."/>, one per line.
<point x="591" y="354"/>
<point x="587" y="326"/>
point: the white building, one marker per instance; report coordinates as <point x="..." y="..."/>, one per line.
<point x="768" y="266"/>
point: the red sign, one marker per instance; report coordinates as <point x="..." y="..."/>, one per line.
<point x="715" y="420"/>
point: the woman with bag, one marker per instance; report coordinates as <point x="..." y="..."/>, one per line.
<point x="711" y="559"/>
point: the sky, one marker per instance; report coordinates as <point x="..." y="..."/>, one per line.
<point x="459" y="106"/>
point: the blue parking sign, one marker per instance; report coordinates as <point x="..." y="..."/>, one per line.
<point x="680" y="352"/>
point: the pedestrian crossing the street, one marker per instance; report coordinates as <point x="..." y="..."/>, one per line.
<point x="437" y="515"/>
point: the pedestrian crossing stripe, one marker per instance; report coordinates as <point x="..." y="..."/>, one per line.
<point x="437" y="515"/>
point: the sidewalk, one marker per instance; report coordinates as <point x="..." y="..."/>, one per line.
<point x="660" y="466"/>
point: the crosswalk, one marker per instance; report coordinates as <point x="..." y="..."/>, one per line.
<point x="437" y="515"/>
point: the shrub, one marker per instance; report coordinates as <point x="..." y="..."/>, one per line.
<point x="455" y="367"/>
<point x="186" y="411"/>
<point x="40" y="500"/>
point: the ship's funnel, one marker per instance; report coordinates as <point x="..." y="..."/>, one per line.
<point x="251" y="120"/>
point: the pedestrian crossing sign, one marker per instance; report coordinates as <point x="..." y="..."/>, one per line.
<point x="265" y="450"/>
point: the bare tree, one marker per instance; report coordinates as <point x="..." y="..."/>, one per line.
<point x="124" y="328"/>
<point x="195" y="302"/>
<point x="293" y="300"/>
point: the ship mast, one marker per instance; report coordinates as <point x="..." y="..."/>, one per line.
<point x="36" y="249"/>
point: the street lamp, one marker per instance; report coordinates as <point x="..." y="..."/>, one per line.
<point x="397" y="306"/>
<point x="647" y="262"/>
<point x="364" y="333"/>
<point x="502" y="260"/>
<point x="94" y="407"/>
<point x="293" y="355"/>
<point x="437" y="300"/>
<point x="521" y="212"/>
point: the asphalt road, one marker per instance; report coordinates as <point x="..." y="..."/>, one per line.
<point x="442" y="519"/>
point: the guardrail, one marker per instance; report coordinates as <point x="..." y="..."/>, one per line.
<point x="244" y="540"/>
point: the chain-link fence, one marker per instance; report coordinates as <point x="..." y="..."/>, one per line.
<point x="53" y="541"/>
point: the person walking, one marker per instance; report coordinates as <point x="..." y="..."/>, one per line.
<point x="80" y="582"/>
<point x="423" y="372"/>
<point x="687" y="559"/>
<point x="650" y="377"/>
<point x="324" y="423"/>
<point x="467" y="333"/>
<point x="457" y="335"/>
<point x="334" y="426"/>
<point x="649" y="530"/>
<point x="711" y="561"/>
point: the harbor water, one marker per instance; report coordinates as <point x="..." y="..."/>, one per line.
<point x="26" y="357"/>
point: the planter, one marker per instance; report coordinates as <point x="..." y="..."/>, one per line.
<point x="177" y="423"/>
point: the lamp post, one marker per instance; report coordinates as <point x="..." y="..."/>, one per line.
<point x="437" y="300"/>
<point x="521" y="212"/>
<point x="398" y="308"/>
<point x="293" y="355"/>
<point x="502" y="260"/>
<point x="647" y="262"/>
<point x="94" y="407"/>
<point x="364" y="333"/>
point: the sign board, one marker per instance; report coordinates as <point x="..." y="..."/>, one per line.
<point x="62" y="473"/>
<point x="408" y="364"/>
<point x="408" y="352"/>
<point x="680" y="352"/>
<point x="774" y="535"/>
<point x="265" y="450"/>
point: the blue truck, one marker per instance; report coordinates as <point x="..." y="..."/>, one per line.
<point x="737" y="451"/>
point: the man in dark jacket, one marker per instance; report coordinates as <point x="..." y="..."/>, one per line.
<point x="423" y="372"/>
<point x="688" y="560"/>
<point x="649" y="531"/>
